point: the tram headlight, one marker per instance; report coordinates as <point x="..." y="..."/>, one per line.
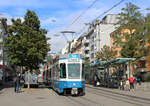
<point x="74" y="84"/>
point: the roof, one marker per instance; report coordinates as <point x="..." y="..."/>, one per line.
<point x="116" y="61"/>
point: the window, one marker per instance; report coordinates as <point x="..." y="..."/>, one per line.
<point x="143" y="64"/>
<point x="83" y="71"/>
<point x="62" y="70"/>
<point x="74" y="71"/>
<point x="92" y="55"/>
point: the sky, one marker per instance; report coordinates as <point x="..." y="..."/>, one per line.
<point x="64" y="12"/>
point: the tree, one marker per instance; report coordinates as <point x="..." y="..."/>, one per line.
<point x="105" y="54"/>
<point x="86" y="61"/>
<point x="27" y="43"/>
<point x="129" y="31"/>
<point x="49" y="58"/>
<point x="146" y="32"/>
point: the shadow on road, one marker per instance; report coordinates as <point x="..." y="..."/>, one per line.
<point x="6" y="85"/>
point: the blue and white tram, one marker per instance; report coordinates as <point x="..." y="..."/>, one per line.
<point x="67" y="75"/>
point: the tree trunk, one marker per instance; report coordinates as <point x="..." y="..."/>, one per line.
<point x="28" y="78"/>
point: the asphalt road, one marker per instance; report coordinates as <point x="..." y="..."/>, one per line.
<point x="47" y="97"/>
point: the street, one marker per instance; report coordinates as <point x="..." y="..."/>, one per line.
<point x="46" y="97"/>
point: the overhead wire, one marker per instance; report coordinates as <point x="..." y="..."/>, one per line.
<point x="78" y="17"/>
<point x="117" y="4"/>
<point x="83" y="12"/>
<point x="110" y="9"/>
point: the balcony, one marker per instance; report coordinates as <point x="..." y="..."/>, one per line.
<point x="86" y="41"/>
<point x="86" y="48"/>
<point x="87" y="55"/>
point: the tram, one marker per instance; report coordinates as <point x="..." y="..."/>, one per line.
<point x="67" y="75"/>
<point x="1" y="74"/>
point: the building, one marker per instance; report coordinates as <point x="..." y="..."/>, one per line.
<point x="142" y="65"/>
<point x="3" y="55"/>
<point x="70" y="47"/>
<point x="65" y="50"/>
<point x="3" y="34"/>
<point x="77" y="47"/>
<point x="86" y="45"/>
<point x="98" y="35"/>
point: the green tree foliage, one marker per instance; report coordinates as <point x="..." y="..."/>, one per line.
<point x="132" y="20"/>
<point x="146" y="32"/>
<point x="86" y="61"/>
<point x="49" y="59"/>
<point x="105" y="54"/>
<point x="27" y="42"/>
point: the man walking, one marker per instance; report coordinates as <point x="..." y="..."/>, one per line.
<point x="17" y="83"/>
<point x="131" y="80"/>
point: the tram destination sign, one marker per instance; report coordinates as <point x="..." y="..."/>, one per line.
<point x="74" y="57"/>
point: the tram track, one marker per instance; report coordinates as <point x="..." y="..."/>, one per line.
<point x="85" y="101"/>
<point x="119" y="93"/>
<point x="76" y="101"/>
<point x="121" y="97"/>
<point x="79" y="100"/>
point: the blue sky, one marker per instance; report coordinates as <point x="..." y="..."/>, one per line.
<point x="64" y="12"/>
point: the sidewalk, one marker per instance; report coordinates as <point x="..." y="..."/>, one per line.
<point x="137" y="93"/>
<point x="6" y="85"/>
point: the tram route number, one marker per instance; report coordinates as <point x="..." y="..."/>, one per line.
<point x="74" y="57"/>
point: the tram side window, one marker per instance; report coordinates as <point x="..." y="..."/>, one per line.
<point x="62" y="70"/>
<point x="83" y="71"/>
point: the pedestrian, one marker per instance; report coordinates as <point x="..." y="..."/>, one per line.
<point x="121" y="85"/>
<point x="138" y="81"/>
<point x="95" y="79"/>
<point x="127" y="85"/>
<point x="131" y="80"/>
<point x="17" y="83"/>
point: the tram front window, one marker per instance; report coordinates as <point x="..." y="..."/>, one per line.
<point x="74" y="71"/>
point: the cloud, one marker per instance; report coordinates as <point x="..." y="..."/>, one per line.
<point x="63" y="23"/>
<point x="48" y="21"/>
<point x="63" y="11"/>
<point x="57" y="43"/>
<point x="8" y="17"/>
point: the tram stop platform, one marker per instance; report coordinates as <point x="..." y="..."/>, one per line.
<point x="137" y="93"/>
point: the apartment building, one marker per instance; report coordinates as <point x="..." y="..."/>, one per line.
<point x="3" y="62"/>
<point x="86" y="45"/>
<point x="3" y="34"/>
<point x="94" y="39"/>
<point x="98" y="35"/>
